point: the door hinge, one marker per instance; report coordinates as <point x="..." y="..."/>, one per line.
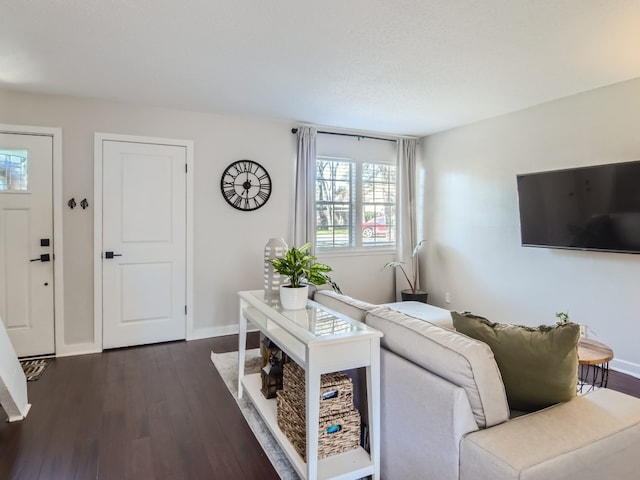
<point x="185" y="167"/>
<point x="185" y="309"/>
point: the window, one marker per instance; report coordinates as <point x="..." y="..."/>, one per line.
<point x="355" y="195"/>
<point x="13" y="170"/>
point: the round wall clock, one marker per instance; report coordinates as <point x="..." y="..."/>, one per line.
<point x="245" y="185"/>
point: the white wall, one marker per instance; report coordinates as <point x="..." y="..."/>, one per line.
<point x="472" y="222"/>
<point x="229" y="244"/>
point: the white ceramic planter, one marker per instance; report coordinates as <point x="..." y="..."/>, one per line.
<point x="293" y="298"/>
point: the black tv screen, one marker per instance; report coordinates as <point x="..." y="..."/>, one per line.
<point x="587" y="208"/>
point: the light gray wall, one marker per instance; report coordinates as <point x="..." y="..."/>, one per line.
<point x="228" y="244"/>
<point x="472" y="221"/>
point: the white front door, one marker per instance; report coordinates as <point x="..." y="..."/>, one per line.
<point x="26" y="242"/>
<point x="143" y="243"/>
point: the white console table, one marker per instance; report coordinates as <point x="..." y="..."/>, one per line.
<point x="321" y="341"/>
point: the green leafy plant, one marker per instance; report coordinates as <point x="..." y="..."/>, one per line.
<point x="413" y="280"/>
<point x="563" y="317"/>
<point x="301" y="267"/>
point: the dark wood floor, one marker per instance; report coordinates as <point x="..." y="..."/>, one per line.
<point x="154" y="412"/>
<point x="624" y="383"/>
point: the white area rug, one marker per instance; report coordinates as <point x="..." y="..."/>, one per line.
<point x="227" y="365"/>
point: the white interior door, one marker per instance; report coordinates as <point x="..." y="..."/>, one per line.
<point x="143" y="243"/>
<point x="26" y="242"/>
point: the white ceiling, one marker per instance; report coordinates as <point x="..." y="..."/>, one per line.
<point x="404" y="66"/>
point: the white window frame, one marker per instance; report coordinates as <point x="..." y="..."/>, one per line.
<point x="356" y="245"/>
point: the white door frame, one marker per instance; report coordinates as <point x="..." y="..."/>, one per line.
<point x="99" y="138"/>
<point x="58" y="277"/>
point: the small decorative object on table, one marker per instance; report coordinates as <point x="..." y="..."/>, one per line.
<point x="275" y="248"/>
<point x="563" y="317"/>
<point x="273" y="360"/>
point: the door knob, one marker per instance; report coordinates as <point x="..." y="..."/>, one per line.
<point x="111" y="254"/>
<point x="42" y="258"/>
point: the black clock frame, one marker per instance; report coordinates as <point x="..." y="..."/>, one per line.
<point x="237" y="194"/>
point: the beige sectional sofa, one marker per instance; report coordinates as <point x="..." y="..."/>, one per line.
<point x="444" y="411"/>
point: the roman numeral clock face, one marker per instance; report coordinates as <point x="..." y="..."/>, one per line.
<point x="245" y="185"/>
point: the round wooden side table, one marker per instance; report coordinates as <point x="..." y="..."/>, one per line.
<point x="593" y="360"/>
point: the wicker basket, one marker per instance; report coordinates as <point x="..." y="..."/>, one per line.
<point x="336" y="390"/>
<point x="337" y="433"/>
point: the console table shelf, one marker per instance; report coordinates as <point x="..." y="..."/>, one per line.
<point x="320" y="341"/>
<point x="356" y="462"/>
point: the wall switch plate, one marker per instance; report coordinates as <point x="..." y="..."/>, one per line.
<point x="447" y="297"/>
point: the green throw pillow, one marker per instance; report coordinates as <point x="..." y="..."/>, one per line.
<point x="539" y="366"/>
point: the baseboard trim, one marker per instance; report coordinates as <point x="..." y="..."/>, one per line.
<point x="211" y="332"/>
<point x="622" y="366"/>
<point x="78" y="349"/>
<point x="196" y="334"/>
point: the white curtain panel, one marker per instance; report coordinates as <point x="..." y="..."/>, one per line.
<point x="406" y="209"/>
<point x="304" y="218"/>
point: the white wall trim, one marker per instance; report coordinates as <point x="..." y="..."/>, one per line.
<point x="80" y="349"/>
<point x="99" y="138"/>
<point x="189" y="241"/>
<point x="623" y="366"/>
<point x="58" y="255"/>
<point x="210" y="332"/>
<point x="97" y="241"/>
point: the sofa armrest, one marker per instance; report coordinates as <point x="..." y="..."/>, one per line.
<point x="423" y="419"/>
<point x="424" y="311"/>
<point x="594" y="436"/>
<point x="351" y="307"/>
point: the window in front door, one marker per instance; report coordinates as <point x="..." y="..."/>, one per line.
<point x="13" y="170"/>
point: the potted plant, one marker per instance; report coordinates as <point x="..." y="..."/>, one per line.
<point x="412" y="293"/>
<point x="563" y="317"/>
<point x="302" y="269"/>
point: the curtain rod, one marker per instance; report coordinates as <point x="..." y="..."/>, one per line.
<point x="295" y="130"/>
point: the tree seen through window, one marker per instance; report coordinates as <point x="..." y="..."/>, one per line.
<point x="355" y="203"/>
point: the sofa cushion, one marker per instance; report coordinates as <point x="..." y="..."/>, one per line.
<point x="539" y="366"/>
<point x="355" y="309"/>
<point x="457" y="358"/>
<point x="594" y="436"/>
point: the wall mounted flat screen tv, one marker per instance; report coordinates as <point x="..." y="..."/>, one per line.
<point x="587" y="208"/>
